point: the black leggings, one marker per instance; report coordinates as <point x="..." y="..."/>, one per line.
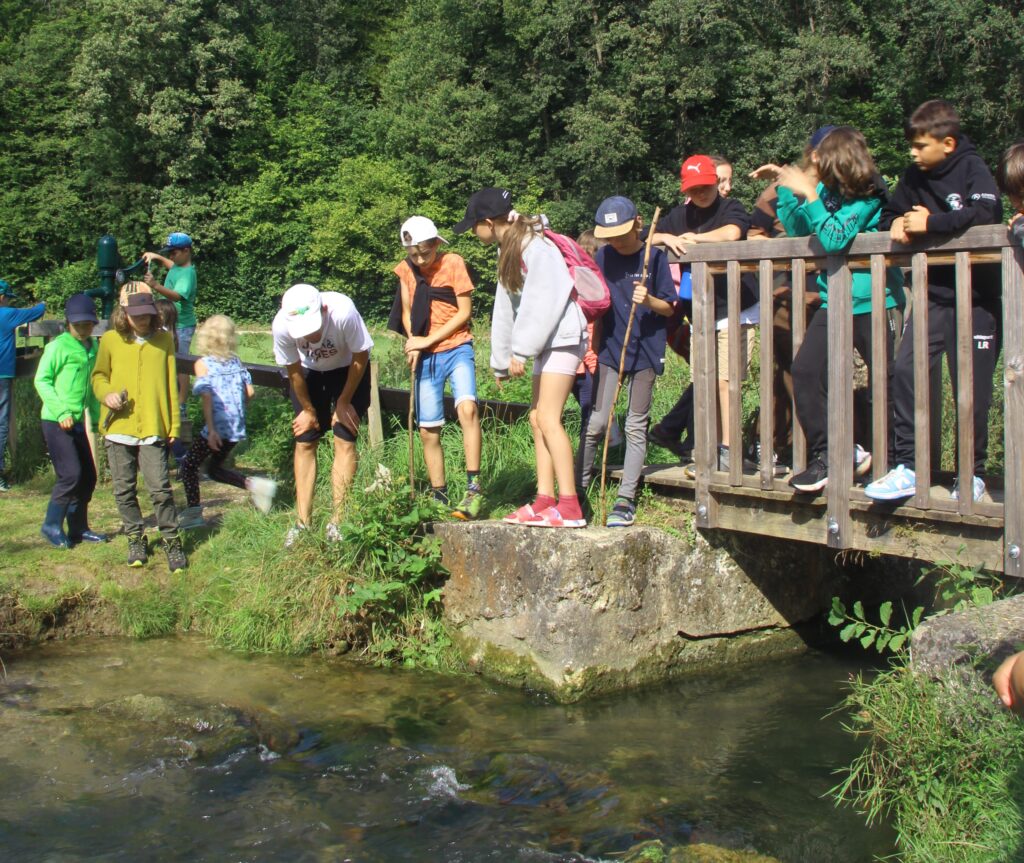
<point x="198" y="453"/>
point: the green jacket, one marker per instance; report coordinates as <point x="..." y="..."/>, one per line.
<point x="62" y="380"/>
<point x="836" y="222"/>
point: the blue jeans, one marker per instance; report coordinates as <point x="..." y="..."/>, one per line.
<point x="458" y="366"/>
<point x="6" y="387"/>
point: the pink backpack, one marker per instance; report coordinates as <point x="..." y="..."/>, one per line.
<point x="590" y="290"/>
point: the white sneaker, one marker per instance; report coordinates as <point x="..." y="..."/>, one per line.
<point x="294" y="532"/>
<point x="332" y="533"/>
<point x="262" y="491"/>
<point x="977" y="487"/>
<point x="861" y="460"/>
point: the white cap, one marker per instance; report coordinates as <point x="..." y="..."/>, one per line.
<point x="301" y="305"/>
<point x="418" y="229"/>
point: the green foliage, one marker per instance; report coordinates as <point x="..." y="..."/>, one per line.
<point x="958" y="586"/>
<point x="883" y="636"/>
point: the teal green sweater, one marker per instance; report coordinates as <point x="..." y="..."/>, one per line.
<point x="62" y="380"/>
<point x="836" y="222"/>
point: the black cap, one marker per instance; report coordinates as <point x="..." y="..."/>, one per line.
<point x="140" y="303"/>
<point x="80" y="308"/>
<point x="488" y="203"/>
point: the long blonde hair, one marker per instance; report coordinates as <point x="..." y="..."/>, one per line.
<point x="516" y="238"/>
<point x="217" y="337"/>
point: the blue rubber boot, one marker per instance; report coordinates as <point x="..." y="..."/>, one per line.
<point x="78" y="525"/>
<point x="53" y="525"/>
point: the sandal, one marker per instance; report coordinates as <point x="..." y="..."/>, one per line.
<point x="521" y="515"/>
<point x="551" y="517"/>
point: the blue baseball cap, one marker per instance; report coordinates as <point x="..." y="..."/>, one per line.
<point x="614" y="217"/>
<point x="177" y="240"/>
<point x="820" y="135"/>
<point x="80" y="308"/>
<point x="5" y="289"/>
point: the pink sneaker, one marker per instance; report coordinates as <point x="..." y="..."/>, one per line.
<point x="551" y="517"/>
<point x="521" y="515"/>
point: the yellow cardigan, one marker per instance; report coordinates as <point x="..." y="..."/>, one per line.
<point x="147" y="371"/>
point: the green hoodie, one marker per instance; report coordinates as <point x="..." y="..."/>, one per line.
<point x="63" y="380"/>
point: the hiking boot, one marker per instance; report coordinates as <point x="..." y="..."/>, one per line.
<point x="262" y="491"/>
<point x="191" y="518"/>
<point x="623" y="514"/>
<point x="176" y="560"/>
<point x="897" y="484"/>
<point x="658" y="437"/>
<point x="861" y="460"/>
<point x="469" y="506"/>
<point x="294" y="532"/>
<point x="814" y="478"/>
<point x="977" y="487"/>
<point x="137" y="555"/>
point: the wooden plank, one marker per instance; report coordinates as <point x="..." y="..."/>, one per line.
<point x="898" y="257"/>
<point x="922" y="419"/>
<point x="705" y="393"/>
<point x="798" y="325"/>
<point x="1013" y="409"/>
<point x="737" y="361"/>
<point x="965" y="384"/>
<point x="767" y="382"/>
<point x="879" y="370"/>
<point x="840" y="401"/>
<point x="375" y="427"/>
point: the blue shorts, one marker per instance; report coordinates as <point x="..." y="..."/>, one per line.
<point x="457" y="366"/>
<point x="185" y="335"/>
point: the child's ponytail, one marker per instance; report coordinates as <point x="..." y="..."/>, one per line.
<point x="510" y="255"/>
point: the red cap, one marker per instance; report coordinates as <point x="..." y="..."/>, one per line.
<point x="697" y="171"/>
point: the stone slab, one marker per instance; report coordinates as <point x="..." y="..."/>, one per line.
<point x="987" y="634"/>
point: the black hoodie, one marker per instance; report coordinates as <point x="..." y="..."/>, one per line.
<point x="959" y="193"/>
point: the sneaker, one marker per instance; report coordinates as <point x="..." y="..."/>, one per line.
<point x="137" y="555"/>
<point x="656" y="436"/>
<point x="978" y="487"/>
<point x="4" y="484"/>
<point x="332" y="533"/>
<point x="522" y="515"/>
<point x="690" y="471"/>
<point x="294" y="532"/>
<point x="861" y="460"/>
<point x="623" y="514"/>
<point x="778" y="469"/>
<point x="897" y="484"/>
<point x="469" y="506"/>
<point x="176" y="560"/>
<point x="262" y="491"/>
<point x="724" y="461"/>
<point x="814" y="478"/>
<point x="551" y="517"/>
<point x="191" y="518"/>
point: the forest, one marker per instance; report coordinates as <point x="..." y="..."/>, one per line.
<point x="291" y="139"/>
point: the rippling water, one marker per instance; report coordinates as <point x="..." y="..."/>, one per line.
<point x="170" y="750"/>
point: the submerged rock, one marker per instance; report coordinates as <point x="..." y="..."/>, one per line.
<point x="713" y="854"/>
<point x="575" y="613"/>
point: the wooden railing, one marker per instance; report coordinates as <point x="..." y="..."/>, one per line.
<point x="841" y="527"/>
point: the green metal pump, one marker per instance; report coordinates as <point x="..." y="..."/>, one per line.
<point x="108" y="261"/>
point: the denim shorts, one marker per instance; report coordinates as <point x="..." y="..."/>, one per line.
<point x="457" y="366"/>
<point x="185" y="335"/>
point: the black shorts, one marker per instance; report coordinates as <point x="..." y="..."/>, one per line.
<point x="324" y="389"/>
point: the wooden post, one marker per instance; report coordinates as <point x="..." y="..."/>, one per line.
<point x="922" y="415"/>
<point x="840" y="401"/>
<point x="1013" y="409"/>
<point x="878" y="381"/>
<point x="798" y="327"/>
<point x="705" y="393"/>
<point x="736" y="361"/>
<point x="373" y="418"/>
<point x="767" y="382"/>
<point x="965" y="384"/>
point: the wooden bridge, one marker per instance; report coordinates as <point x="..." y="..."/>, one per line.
<point x="930" y="525"/>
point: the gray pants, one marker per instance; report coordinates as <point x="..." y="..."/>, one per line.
<point x="640" y="387"/>
<point x="125" y="462"/>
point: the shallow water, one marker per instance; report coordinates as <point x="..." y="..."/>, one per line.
<point x="170" y="750"/>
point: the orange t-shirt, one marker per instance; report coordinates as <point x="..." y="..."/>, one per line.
<point x="447" y="271"/>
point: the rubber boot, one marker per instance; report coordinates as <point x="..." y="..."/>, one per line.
<point x="78" y="525"/>
<point x="53" y="525"/>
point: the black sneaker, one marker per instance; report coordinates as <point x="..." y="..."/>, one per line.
<point x="137" y="555"/>
<point x="176" y="560"/>
<point x="815" y="478"/>
<point x="656" y="436"/>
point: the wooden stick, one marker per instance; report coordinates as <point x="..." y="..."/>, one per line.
<point x="412" y="409"/>
<point x="622" y="363"/>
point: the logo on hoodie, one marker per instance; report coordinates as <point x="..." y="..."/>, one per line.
<point x="954" y="201"/>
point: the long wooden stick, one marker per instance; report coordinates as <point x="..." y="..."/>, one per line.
<point x="412" y="409"/>
<point x="622" y="364"/>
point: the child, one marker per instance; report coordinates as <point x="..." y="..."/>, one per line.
<point x="622" y="263"/>
<point x="134" y="380"/>
<point x="167" y="318"/>
<point x="947" y="189"/>
<point x="180" y="287"/>
<point x="707" y="217"/>
<point x="224" y="384"/>
<point x="10" y="320"/>
<point x="837" y="202"/>
<point x="62" y="381"/>
<point x="436" y="312"/>
<point x="1010" y="178"/>
<point x="534" y="317"/>
<point x="723" y="170"/>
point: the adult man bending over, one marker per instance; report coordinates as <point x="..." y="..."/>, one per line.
<point x="322" y="341"/>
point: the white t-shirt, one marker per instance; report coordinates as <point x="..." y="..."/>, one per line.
<point x="343" y="334"/>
